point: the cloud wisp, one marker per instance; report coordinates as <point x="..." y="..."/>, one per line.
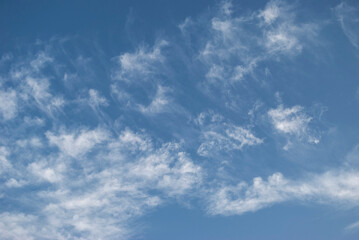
<point x="334" y="187"/>
<point x="348" y="18"/>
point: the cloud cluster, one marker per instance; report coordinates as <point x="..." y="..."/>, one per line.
<point x="348" y="18"/>
<point x="236" y="45"/>
<point x="97" y="183"/>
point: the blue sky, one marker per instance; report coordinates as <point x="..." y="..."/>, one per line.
<point x="179" y="120"/>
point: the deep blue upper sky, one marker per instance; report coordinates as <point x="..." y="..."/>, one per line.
<point x="179" y="120"/>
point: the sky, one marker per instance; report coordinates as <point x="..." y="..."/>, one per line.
<point x="156" y="120"/>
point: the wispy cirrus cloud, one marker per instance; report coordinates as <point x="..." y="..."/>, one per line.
<point x="332" y="187"/>
<point x="146" y="71"/>
<point x="274" y="33"/>
<point x="352" y="227"/>
<point x="348" y="18"/>
<point x="141" y="64"/>
<point x="218" y="136"/>
<point x="31" y="87"/>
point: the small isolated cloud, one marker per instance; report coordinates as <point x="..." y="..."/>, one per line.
<point x="35" y="121"/>
<point x="292" y="121"/>
<point x="141" y="64"/>
<point x="219" y="136"/>
<point x="348" y="17"/>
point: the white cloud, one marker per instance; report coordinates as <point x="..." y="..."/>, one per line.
<point x="140" y="65"/>
<point x="32" y="142"/>
<point x="333" y="187"/>
<point x="226" y="7"/>
<point x="93" y="183"/>
<point x="231" y="52"/>
<point x="79" y="142"/>
<point x="5" y="165"/>
<point x="38" y="88"/>
<point x="166" y="169"/>
<point x="13" y="183"/>
<point x="271" y="12"/>
<point x="224" y="27"/>
<point x="32" y="85"/>
<point x="286" y="36"/>
<point x="132" y="141"/>
<point x="349" y="19"/>
<point x="186" y="23"/>
<point x="145" y="70"/>
<point x="244" y="136"/>
<point x="159" y="103"/>
<point x="50" y="174"/>
<point x="42" y="58"/>
<point x="282" y="40"/>
<point x="96" y="99"/>
<point x="5" y="58"/>
<point x="99" y="195"/>
<point x="218" y="135"/>
<point x="8" y="104"/>
<point x="33" y="121"/>
<point x="18" y="226"/>
<point x="113" y="196"/>
<point x="292" y="121"/>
